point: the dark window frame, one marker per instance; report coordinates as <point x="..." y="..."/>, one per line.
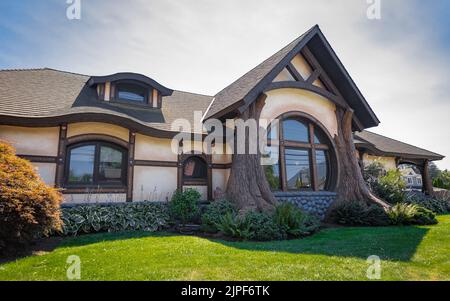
<point x="190" y="181"/>
<point x="96" y="182"/>
<point x="314" y="128"/>
<point x="148" y="99"/>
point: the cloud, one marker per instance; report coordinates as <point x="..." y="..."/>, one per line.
<point x="400" y="62"/>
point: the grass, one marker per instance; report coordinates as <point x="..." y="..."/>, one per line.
<point x="407" y="253"/>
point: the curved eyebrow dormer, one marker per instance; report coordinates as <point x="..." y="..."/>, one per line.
<point x="130" y="88"/>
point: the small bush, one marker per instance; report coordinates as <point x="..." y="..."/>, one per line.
<point x="390" y="187"/>
<point x="233" y="226"/>
<point x="214" y="212"/>
<point x="263" y="227"/>
<point x="29" y="209"/>
<point x="114" y="218"/>
<point x="184" y="205"/>
<point x="409" y="214"/>
<point x="358" y="214"/>
<point x="442" y="180"/>
<point x="286" y="221"/>
<point x="435" y="205"/>
<point x="295" y="222"/>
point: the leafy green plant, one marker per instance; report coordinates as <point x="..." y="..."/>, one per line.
<point x="390" y="187"/>
<point x="354" y="213"/>
<point x="184" y="205"/>
<point x="29" y="209"/>
<point x="435" y="205"/>
<point x="263" y="227"/>
<point x="234" y="226"/>
<point x="214" y="212"/>
<point x="295" y="222"/>
<point x="442" y="180"/>
<point x="410" y="214"/>
<point x="114" y="218"/>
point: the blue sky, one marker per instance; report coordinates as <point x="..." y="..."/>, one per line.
<point x="401" y="63"/>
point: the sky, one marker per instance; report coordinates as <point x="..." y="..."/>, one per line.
<point x="400" y="62"/>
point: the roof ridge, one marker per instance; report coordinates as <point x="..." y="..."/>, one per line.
<point x="401" y="142"/>
<point x="268" y="58"/>
<point x="193" y="93"/>
<point x="41" y="69"/>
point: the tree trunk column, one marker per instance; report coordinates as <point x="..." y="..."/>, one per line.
<point x="427" y="185"/>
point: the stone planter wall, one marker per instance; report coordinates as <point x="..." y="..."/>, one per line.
<point x="316" y="203"/>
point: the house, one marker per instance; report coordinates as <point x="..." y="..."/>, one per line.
<point x="412" y="178"/>
<point x="110" y="138"/>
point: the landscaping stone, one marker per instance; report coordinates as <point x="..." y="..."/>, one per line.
<point x="315" y="203"/>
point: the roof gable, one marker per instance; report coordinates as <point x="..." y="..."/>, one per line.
<point x="236" y="97"/>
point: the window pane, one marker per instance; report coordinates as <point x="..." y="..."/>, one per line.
<point x="110" y="165"/>
<point x="319" y="136"/>
<point x="195" y="168"/>
<point x="131" y="92"/>
<point x="295" y="131"/>
<point x="82" y="164"/>
<point x="297" y="169"/>
<point x="272" y="168"/>
<point x="322" y="169"/>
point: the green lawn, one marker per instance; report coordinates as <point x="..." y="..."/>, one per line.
<point x="407" y="253"/>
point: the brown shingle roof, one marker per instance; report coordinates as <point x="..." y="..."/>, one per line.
<point x="51" y="96"/>
<point x="239" y="89"/>
<point x="390" y="147"/>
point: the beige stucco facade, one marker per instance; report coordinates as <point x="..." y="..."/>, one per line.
<point x="154" y="149"/>
<point x="153" y="183"/>
<point x="32" y="141"/>
<point x="282" y="101"/>
<point x="389" y="163"/>
<point x="85" y="128"/>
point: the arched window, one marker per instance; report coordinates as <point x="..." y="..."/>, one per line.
<point x="96" y="164"/>
<point x="130" y="91"/>
<point x="195" y="169"/>
<point x="301" y="153"/>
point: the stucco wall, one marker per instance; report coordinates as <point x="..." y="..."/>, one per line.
<point x="154" y="149"/>
<point x="94" y="198"/>
<point x="32" y="141"/>
<point x="47" y="171"/>
<point x="220" y="179"/>
<point x="388" y="162"/>
<point x="154" y="183"/>
<point x="83" y="128"/>
<point x="286" y="100"/>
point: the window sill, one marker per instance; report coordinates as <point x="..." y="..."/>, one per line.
<point x="93" y="190"/>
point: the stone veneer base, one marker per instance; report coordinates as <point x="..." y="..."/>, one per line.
<point x="316" y="203"/>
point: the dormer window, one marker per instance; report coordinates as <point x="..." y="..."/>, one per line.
<point x="132" y="92"/>
<point x="130" y="88"/>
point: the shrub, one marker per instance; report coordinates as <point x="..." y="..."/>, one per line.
<point x="295" y="222"/>
<point x="214" y="212"/>
<point x="373" y="172"/>
<point x="233" y="226"/>
<point x="29" y="209"/>
<point x="355" y="213"/>
<point x="442" y="180"/>
<point x="435" y="205"/>
<point x="391" y="187"/>
<point x="184" y="205"/>
<point x="263" y="227"/>
<point x="114" y="218"/>
<point x="286" y="221"/>
<point x="409" y="214"/>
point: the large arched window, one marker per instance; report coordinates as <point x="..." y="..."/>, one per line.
<point x="96" y="164"/>
<point x="301" y="153"/>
